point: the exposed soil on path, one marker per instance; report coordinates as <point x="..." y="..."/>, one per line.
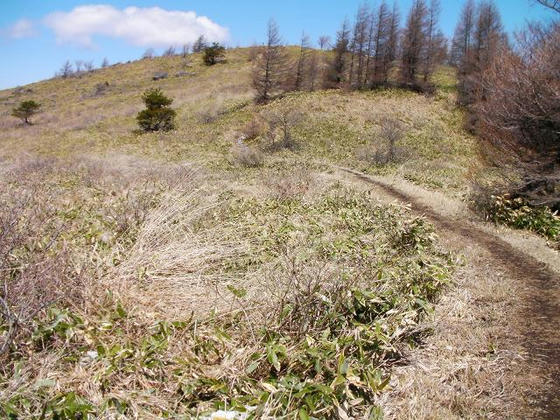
<point x="517" y="311"/>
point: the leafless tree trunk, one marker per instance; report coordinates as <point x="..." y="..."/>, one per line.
<point x="360" y="45"/>
<point x="488" y="39"/>
<point x="488" y="36"/>
<point x="169" y="52"/>
<point x="324" y="41"/>
<point x="391" y="50"/>
<point x="432" y="44"/>
<point x="414" y="42"/>
<point x="66" y="70"/>
<point x="380" y="41"/>
<point x="302" y="62"/>
<point x="336" y="74"/>
<point x="463" y="36"/>
<point x="78" y="64"/>
<point x="269" y="73"/>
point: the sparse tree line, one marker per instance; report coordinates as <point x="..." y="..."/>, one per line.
<point x="374" y="51"/>
<point x="78" y="68"/>
<point x="510" y="91"/>
<point x="479" y="37"/>
<point x="213" y="53"/>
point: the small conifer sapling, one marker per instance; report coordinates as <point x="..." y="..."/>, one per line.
<point x="157" y="115"/>
<point x="26" y="110"/>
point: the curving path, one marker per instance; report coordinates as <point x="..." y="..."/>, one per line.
<point x="530" y="387"/>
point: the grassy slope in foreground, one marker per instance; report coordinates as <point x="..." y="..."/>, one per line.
<point x="180" y="289"/>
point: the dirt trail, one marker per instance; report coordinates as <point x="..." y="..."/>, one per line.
<point x="531" y="312"/>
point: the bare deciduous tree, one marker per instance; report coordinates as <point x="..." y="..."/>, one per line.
<point x="379" y="40"/>
<point x="280" y="127"/>
<point x="269" y="72"/>
<point x="372" y="27"/>
<point x="169" y="52"/>
<point x="489" y="35"/>
<point x="105" y="63"/>
<point x="302" y="62"/>
<point x="414" y="42"/>
<point x="433" y="40"/>
<point x="391" y="132"/>
<point x="488" y="39"/>
<point x="391" y="49"/>
<point x="88" y="66"/>
<point x="337" y="70"/>
<point x="551" y="4"/>
<point x="199" y="44"/>
<point x="359" y="46"/>
<point x="519" y="116"/>
<point x="324" y="41"/>
<point x="463" y="37"/>
<point x="66" y="70"/>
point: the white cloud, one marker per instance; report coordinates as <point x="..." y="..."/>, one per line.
<point x="23" y="28"/>
<point x="148" y="27"/>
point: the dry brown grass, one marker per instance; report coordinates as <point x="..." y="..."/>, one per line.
<point x="247" y="156"/>
<point x="172" y="268"/>
<point x="464" y="369"/>
<point x="295" y="184"/>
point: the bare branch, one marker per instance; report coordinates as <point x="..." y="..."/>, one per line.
<point x="551" y="4"/>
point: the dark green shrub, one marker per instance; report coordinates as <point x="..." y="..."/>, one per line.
<point x="157" y="115"/>
<point x="214" y="54"/>
<point x="26" y="110"/>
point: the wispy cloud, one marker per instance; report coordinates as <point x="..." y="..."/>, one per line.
<point x="149" y="27"/>
<point x="23" y="28"/>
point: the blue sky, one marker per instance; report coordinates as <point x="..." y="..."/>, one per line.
<point x="37" y="36"/>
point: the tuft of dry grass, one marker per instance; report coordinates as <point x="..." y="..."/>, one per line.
<point x="247" y="156"/>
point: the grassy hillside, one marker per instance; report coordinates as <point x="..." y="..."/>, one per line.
<point x="215" y="103"/>
<point x="156" y="275"/>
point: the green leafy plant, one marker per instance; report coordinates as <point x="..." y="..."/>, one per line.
<point x="517" y="213"/>
<point x="157" y="115"/>
<point x="26" y="110"/>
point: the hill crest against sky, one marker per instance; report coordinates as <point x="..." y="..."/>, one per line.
<point x="36" y="37"/>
